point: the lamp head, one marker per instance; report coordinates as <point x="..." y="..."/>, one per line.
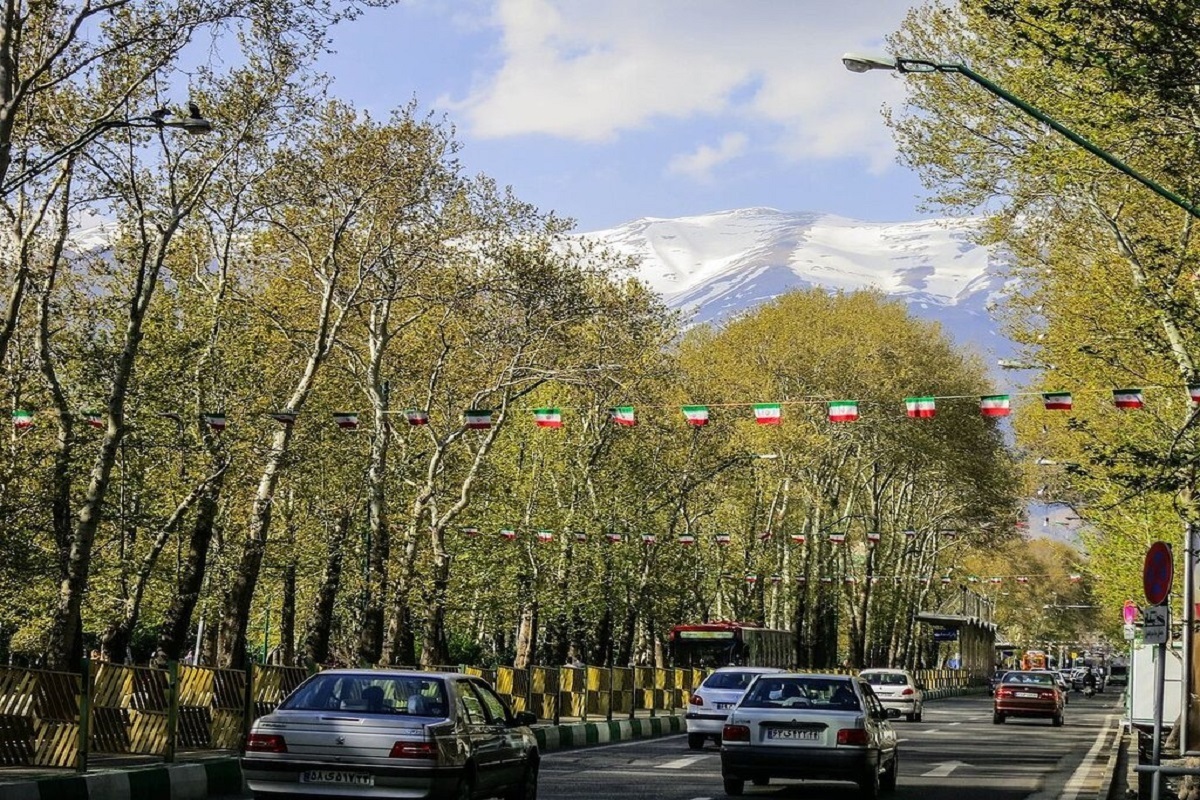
<point x="861" y="62"/>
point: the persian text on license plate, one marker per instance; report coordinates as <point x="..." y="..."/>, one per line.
<point x="1025" y="694"/>
<point x="723" y="706"/>
<point x="336" y="776"/>
<point x="790" y="733"/>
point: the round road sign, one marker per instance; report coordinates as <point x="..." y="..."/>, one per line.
<point x="1157" y="573"/>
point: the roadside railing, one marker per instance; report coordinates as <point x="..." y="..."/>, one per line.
<point x="58" y="719"/>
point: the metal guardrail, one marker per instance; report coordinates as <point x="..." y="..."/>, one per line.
<point x="57" y="719"/>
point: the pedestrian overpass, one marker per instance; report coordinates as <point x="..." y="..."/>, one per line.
<point x="972" y="616"/>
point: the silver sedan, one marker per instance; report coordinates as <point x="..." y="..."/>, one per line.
<point x="396" y="734"/>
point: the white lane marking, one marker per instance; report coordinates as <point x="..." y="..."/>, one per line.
<point x="943" y="769"/>
<point x="953" y="723"/>
<point x="574" y="751"/>
<point x="1075" y="784"/>
<point x="680" y="763"/>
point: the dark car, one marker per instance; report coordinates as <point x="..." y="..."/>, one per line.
<point x="1118" y="675"/>
<point x="391" y="733"/>
<point x="994" y="680"/>
<point x="1028" y="694"/>
<point x="809" y="727"/>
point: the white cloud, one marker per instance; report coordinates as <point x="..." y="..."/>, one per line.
<point x="699" y="163"/>
<point x="590" y="71"/>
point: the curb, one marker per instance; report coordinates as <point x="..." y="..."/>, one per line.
<point x="1119" y="747"/>
<point x="174" y="781"/>
<point x="558" y="737"/>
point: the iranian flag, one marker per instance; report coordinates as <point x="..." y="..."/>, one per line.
<point x="826" y="580"/>
<point x="926" y="579"/>
<point x="799" y="538"/>
<point x="686" y="539"/>
<point x="94" y="418"/>
<point x="346" y="420"/>
<point x="949" y="534"/>
<point x="215" y="421"/>
<point x="1074" y="578"/>
<point x="996" y="580"/>
<point x="768" y="413"/>
<point x="580" y="536"/>
<point x="843" y="410"/>
<point x="850" y="579"/>
<point x="751" y="579"/>
<point x="1194" y="394"/>
<point x="470" y="531"/>
<point x="286" y="417"/>
<point x="837" y="538"/>
<point x="776" y="578"/>
<point x="613" y="538"/>
<point x="1057" y="401"/>
<point x="416" y="416"/>
<point x="910" y="534"/>
<point x="920" y="407"/>
<point x="649" y="538"/>
<point x="872" y="536"/>
<point x="724" y="538"/>
<point x="1022" y="579"/>
<point x="1128" y="398"/>
<point x="508" y="533"/>
<point x="994" y="405"/>
<point x="22" y="419"/>
<point x="623" y="415"/>
<point x="696" y="416"/>
<point x="545" y="535"/>
<point x="801" y="579"/>
<point x="945" y="579"/>
<point x="765" y="536"/>
<point x="548" y="417"/>
<point x="477" y="419"/>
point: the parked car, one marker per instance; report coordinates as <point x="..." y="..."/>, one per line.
<point x="1028" y="694"/>
<point x="898" y="689"/>
<point x="1118" y="675"/>
<point x="392" y="733"/>
<point x="708" y="707"/>
<point x="809" y="727"/>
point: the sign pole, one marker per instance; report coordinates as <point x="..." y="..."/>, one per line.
<point x="1158" y="571"/>
<point x="1160" y="679"/>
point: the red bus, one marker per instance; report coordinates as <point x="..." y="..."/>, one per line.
<point x="731" y="644"/>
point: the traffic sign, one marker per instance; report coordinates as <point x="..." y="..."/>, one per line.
<point x="1129" y="612"/>
<point x="1158" y="570"/>
<point x="1156" y="625"/>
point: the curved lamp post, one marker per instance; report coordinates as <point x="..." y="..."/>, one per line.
<point x="858" y="62"/>
<point x="194" y="123"/>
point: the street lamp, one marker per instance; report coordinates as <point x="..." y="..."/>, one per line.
<point x="858" y="62"/>
<point x="194" y="123"/>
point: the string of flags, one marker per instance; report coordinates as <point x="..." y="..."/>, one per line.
<point x="696" y="416"/>
<point x="687" y="539"/>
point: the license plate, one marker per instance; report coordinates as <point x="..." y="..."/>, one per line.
<point x="723" y="706"/>
<point x="789" y="733"/>
<point x="1025" y="694"/>
<point x="335" y="776"/>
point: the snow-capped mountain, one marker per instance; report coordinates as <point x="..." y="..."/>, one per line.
<point x="717" y="265"/>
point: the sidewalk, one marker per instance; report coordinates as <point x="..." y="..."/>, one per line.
<point x="201" y="773"/>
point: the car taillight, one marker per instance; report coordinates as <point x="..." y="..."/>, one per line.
<point x="696" y="700"/>
<point x="908" y="690"/>
<point x="735" y="733"/>
<point x="265" y="743"/>
<point x="413" y="750"/>
<point x="1004" y="693"/>
<point x="853" y="736"/>
<point x="1048" y="695"/>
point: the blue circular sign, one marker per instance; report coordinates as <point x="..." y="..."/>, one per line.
<point x="1158" y="572"/>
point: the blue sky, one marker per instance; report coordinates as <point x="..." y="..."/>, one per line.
<point x="606" y="111"/>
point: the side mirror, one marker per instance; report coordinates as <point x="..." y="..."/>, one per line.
<point x="892" y="713"/>
<point x="525" y="718"/>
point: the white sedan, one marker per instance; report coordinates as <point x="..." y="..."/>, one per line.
<point x="809" y="727"/>
<point x="898" y="689"/>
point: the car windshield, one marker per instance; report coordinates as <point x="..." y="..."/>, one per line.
<point x="729" y="680"/>
<point x="1035" y="678"/>
<point x="370" y="694"/>
<point x="801" y="692"/>
<point x="885" y="678"/>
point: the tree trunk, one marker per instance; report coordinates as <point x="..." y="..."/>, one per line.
<point x="316" y="643"/>
<point x="370" y="640"/>
<point x="401" y="643"/>
<point x="287" y="617"/>
<point x="526" y="634"/>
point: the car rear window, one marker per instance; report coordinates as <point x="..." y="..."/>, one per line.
<point x="792" y="692"/>
<point x="885" y="678"/>
<point x="370" y="694"/>
<point x="1034" y="678"/>
<point x="729" y="680"/>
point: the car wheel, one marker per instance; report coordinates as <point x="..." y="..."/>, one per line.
<point x="868" y="787"/>
<point x="761" y="781"/>
<point x="734" y="787"/>
<point x="696" y="741"/>
<point x="911" y="717"/>
<point x="466" y="788"/>
<point x="920" y="714"/>
<point x="527" y="788"/>
<point x="1057" y="721"/>
<point x="889" y="777"/>
<point x="997" y="718"/>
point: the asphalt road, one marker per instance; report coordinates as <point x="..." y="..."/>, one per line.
<point x="955" y="752"/>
